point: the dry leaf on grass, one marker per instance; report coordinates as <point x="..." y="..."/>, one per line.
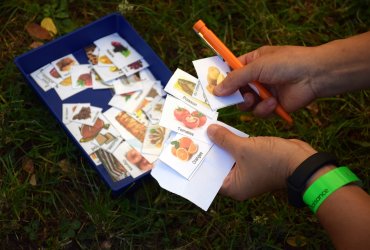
<point x="48" y="24"/>
<point x="33" y="181"/>
<point x="38" y="32"/>
<point x="27" y="165"/>
<point x="36" y="44"/>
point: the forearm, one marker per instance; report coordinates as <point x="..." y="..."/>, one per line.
<point x="345" y="215"/>
<point x="342" y="66"/>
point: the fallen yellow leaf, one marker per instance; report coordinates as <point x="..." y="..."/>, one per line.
<point x="48" y="24"/>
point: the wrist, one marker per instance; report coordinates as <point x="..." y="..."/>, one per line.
<point x="320" y="172"/>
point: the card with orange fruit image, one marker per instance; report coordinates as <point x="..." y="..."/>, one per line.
<point x="184" y="154"/>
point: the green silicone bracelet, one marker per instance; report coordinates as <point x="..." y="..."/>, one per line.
<point x="325" y="185"/>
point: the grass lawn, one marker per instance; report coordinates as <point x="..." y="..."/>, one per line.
<point x="51" y="198"/>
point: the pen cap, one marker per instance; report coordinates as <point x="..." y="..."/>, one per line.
<point x="198" y="25"/>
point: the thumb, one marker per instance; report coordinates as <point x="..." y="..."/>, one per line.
<point x="223" y="138"/>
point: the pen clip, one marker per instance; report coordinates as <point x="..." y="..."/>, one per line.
<point x="209" y="45"/>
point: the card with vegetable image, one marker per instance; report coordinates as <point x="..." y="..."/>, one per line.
<point x="184" y="119"/>
<point x="132" y="160"/>
<point x="81" y="76"/>
<point x="211" y="72"/>
<point x="182" y="85"/>
<point x="118" y="50"/>
<point x="184" y="154"/>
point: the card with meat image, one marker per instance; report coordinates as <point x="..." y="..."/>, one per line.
<point x="68" y="109"/>
<point x="86" y="114"/>
<point x="131" y="130"/>
<point x="81" y="76"/>
<point x="115" y="170"/>
<point x="182" y="86"/>
<point x="155" y="137"/>
<point x="184" y="154"/>
<point x="134" y="67"/>
<point x="184" y="119"/>
<point x="118" y="50"/>
<point x="211" y="72"/>
<point x="63" y="65"/>
<point x="45" y="82"/>
<point x="132" y="160"/>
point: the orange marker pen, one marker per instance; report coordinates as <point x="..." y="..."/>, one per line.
<point x="219" y="47"/>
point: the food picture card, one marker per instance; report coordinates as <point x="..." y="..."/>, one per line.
<point x="85" y="114"/>
<point x="115" y="169"/>
<point x="130" y="102"/>
<point x="118" y="50"/>
<point x="154" y="112"/>
<point x="108" y="73"/>
<point x="68" y="109"/>
<point x="212" y="71"/>
<point x="92" y="53"/>
<point x="81" y="76"/>
<point x="64" y="89"/>
<point x="184" y="154"/>
<point x="97" y="82"/>
<point x="182" y="85"/>
<point x="154" y="140"/>
<point x="134" y="162"/>
<point x="108" y="138"/>
<point x="43" y="80"/>
<point x="131" y="130"/>
<point x="183" y="119"/>
<point x="134" y="67"/>
<point x="63" y="65"/>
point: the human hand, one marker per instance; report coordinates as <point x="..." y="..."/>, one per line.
<point x="262" y="163"/>
<point x="287" y="71"/>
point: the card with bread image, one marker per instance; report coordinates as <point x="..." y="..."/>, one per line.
<point x="108" y="138"/>
<point x="132" y="160"/>
<point x="81" y="76"/>
<point x="63" y="65"/>
<point x="212" y="71"/>
<point x="130" y="129"/>
<point x="184" y="119"/>
<point x="118" y="50"/>
<point x="184" y="154"/>
<point x="115" y="170"/>
<point x="46" y="81"/>
<point x="182" y="85"/>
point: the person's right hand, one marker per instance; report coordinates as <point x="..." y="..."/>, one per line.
<point x="287" y="71"/>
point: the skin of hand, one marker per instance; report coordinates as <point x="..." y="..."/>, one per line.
<point x="297" y="75"/>
<point x="262" y="163"/>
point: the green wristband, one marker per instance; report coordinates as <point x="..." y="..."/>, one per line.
<point x="325" y="185"/>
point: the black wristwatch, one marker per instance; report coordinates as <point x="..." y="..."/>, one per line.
<point x="297" y="181"/>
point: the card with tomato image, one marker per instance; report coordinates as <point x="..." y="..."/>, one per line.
<point x="81" y="76"/>
<point x="184" y="119"/>
<point x="184" y="154"/>
<point x="211" y="72"/>
<point x="182" y="85"/>
<point x="132" y="160"/>
<point x="118" y="50"/>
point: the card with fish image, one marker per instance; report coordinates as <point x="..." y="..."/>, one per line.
<point x="118" y="50"/>
<point x="132" y="160"/>
<point x="184" y="119"/>
<point x="63" y="65"/>
<point x="182" y="85"/>
<point x="43" y="80"/>
<point x="184" y="154"/>
<point x="212" y="71"/>
<point x="154" y="140"/>
<point x="115" y="170"/>
<point x="81" y="76"/>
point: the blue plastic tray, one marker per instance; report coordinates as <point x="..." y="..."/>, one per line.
<point x="74" y="43"/>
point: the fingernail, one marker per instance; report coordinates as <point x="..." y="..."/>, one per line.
<point x="211" y="130"/>
<point x="218" y="89"/>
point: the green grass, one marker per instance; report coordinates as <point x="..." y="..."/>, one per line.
<point x="71" y="208"/>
